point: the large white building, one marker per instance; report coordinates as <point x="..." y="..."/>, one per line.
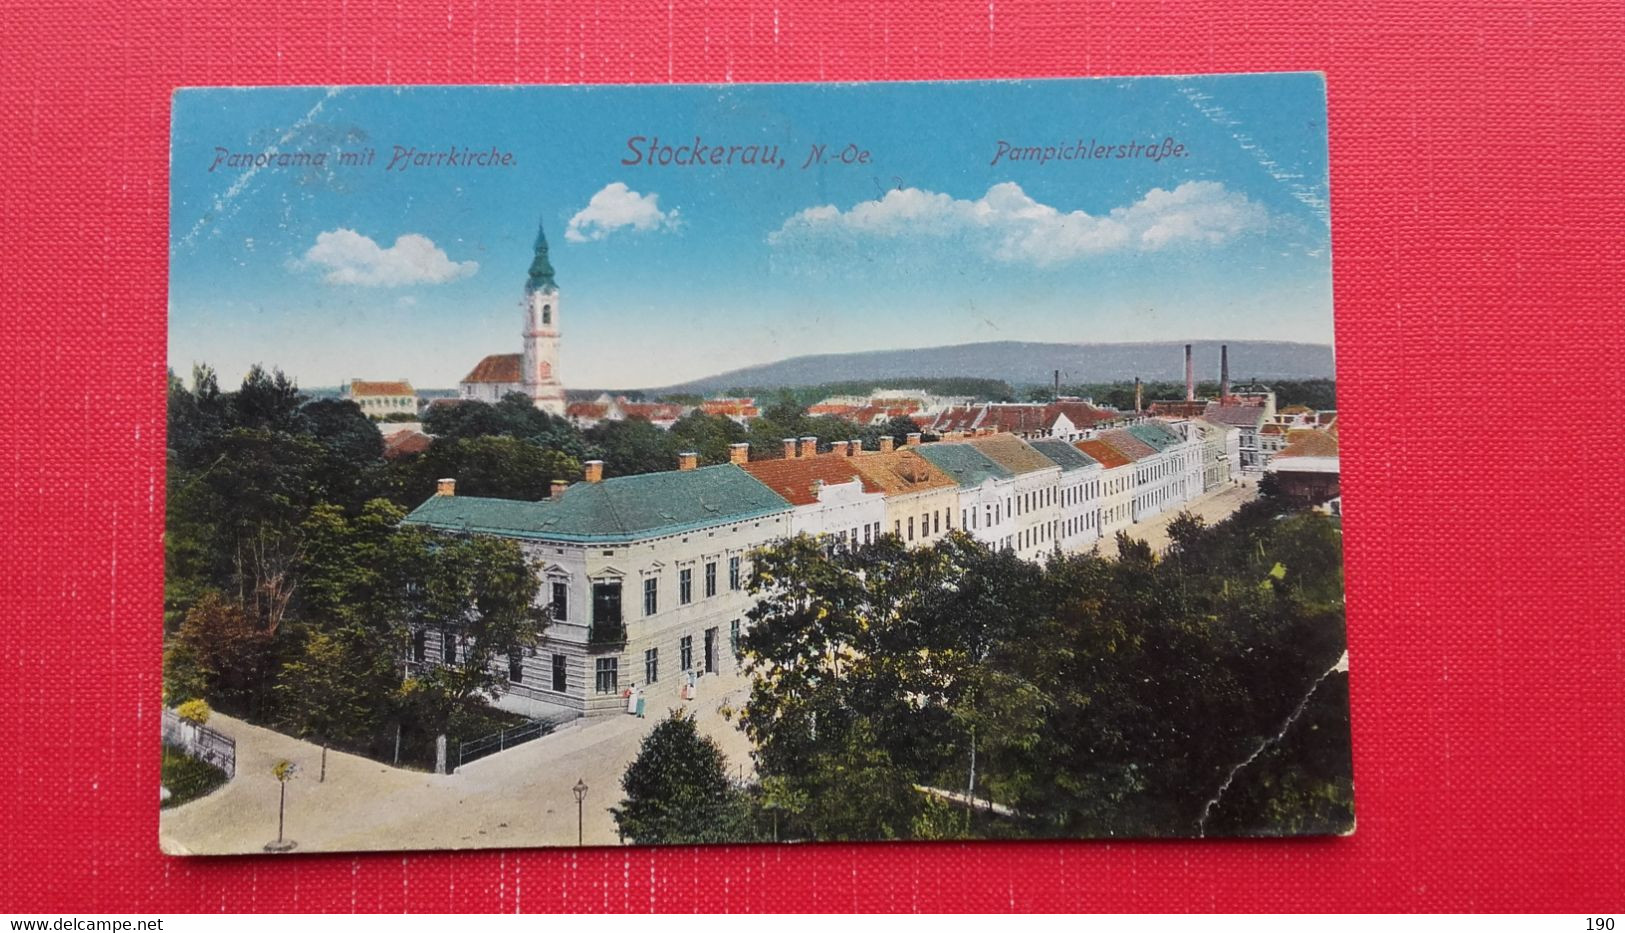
<point x="645" y="575"/>
<point x="535" y="370"/>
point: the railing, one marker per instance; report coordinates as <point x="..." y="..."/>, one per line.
<point x="501" y="741"/>
<point x="201" y="742"/>
<point x="606" y="635"/>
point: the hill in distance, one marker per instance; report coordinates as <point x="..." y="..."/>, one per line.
<point x="1022" y="363"/>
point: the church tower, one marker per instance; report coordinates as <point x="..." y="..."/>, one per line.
<point x="539" y="366"/>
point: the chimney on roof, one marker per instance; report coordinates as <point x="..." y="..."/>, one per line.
<point x="1190" y="376"/>
<point x="445" y="487"/>
<point x="593" y="470"/>
<point x="1137" y="395"/>
<point x="556" y="488"/>
<point x="1224" y="372"/>
<point x="888" y="444"/>
<point x="789" y="448"/>
<point x="817" y="488"/>
<point x="738" y="453"/>
<point x="688" y="460"/>
<point x="913" y="439"/>
<point x="809" y="446"/>
<point x="854" y="447"/>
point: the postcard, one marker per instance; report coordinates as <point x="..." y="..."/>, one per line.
<point x="595" y="466"/>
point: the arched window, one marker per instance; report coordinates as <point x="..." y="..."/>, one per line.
<point x="547" y="314"/>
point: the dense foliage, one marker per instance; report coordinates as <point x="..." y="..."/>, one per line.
<point x="1092" y="697"/>
<point x="291" y="587"/>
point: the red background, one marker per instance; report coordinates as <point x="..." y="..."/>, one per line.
<point x="1477" y="210"/>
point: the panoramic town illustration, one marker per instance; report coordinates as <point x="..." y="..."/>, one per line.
<point x="742" y="483"/>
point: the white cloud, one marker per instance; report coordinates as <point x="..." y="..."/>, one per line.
<point x="1010" y="226"/>
<point x="349" y="258"/>
<point x="616" y="206"/>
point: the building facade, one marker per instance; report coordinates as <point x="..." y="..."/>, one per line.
<point x="644" y="577"/>
<point x="378" y="399"/>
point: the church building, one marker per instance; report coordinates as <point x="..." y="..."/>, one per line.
<point x="533" y="372"/>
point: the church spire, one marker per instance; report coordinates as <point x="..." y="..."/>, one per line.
<point x="541" y="269"/>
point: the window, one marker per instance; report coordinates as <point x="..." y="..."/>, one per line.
<point x="651" y="665"/>
<point x="651" y="595"/>
<point x="685" y="586"/>
<point x="733" y="573"/>
<point x="559" y="670"/>
<point x="936" y="523"/>
<point x="606" y="613"/>
<point x="448" y="647"/>
<point x="547" y="314"/>
<point x="561" y="601"/>
<point x="866" y="533"/>
<point x="420" y="645"/>
<point x="911" y="528"/>
<point x="710" y="579"/>
<point x="733" y="637"/>
<point x="516" y="666"/>
<point x="685" y="652"/>
<point x="607" y="675"/>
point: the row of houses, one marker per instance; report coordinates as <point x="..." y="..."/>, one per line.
<point x="645" y="575"/>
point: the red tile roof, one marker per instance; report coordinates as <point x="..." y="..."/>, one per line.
<point x="1179" y="408"/>
<point x="652" y="411"/>
<point x="1309" y="443"/>
<point x="498" y="367"/>
<point x="739" y="407"/>
<point x="794" y="479"/>
<point x="957" y="418"/>
<point x="359" y="387"/>
<point x="1127" y="444"/>
<point x="406" y="443"/>
<point x="587" y="409"/>
<point x="1081" y="414"/>
<point x="1237" y="416"/>
<point x="1022" y="419"/>
<point x="1104" y="452"/>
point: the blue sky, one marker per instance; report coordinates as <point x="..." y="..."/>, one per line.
<point x="671" y="272"/>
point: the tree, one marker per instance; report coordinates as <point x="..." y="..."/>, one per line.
<point x="677" y="790"/>
<point x="707" y="435"/>
<point x="633" y="446"/>
<point x="220" y="650"/>
<point x="482" y="592"/>
<point x="497" y="466"/>
<point x="324" y="694"/>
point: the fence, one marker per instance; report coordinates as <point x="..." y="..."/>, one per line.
<point x="201" y="742"/>
<point x="499" y="741"/>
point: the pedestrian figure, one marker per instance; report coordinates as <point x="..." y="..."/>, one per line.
<point x="638" y="700"/>
<point x="631" y="694"/>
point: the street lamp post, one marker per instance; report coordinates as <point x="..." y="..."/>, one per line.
<point x="580" y="790"/>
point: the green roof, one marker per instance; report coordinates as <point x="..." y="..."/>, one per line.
<point x="1156" y="435"/>
<point x="540" y="278"/>
<point x="1070" y="458"/>
<point x="968" y="466"/>
<point x="626" y="508"/>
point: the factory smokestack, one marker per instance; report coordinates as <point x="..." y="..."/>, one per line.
<point x="1190" y="376"/>
<point x="1224" y="372"/>
<point x="1136" y="395"/>
<point x="1057" y="383"/>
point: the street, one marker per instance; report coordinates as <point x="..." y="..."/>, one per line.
<point x="519" y="797"/>
<point x="1212" y="507"/>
